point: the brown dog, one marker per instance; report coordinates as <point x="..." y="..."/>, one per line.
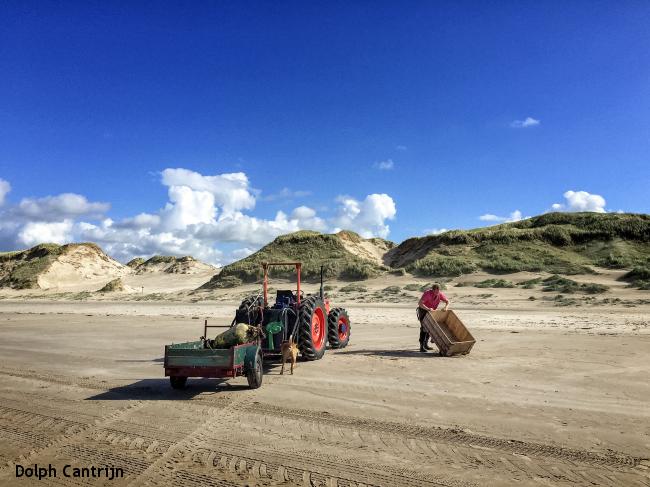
<point x="289" y="351"/>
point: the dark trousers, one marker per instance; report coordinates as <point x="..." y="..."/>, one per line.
<point x="424" y="335"/>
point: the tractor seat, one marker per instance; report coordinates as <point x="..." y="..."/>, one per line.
<point x="284" y="299"/>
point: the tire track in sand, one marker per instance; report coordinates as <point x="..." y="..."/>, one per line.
<point x="312" y="468"/>
<point x="573" y="464"/>
<point x="65" y="438"/>
<point x="169" y="466"/>
<point x="452" y="436"/>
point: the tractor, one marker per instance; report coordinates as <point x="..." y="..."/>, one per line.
<point x="308" y="320"/>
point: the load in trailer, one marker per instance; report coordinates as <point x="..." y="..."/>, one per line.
<point x="309" y="320"/>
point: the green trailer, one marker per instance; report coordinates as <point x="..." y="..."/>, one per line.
<point x="197" y="359"/>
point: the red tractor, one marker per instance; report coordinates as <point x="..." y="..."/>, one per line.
<point x="308" y="320"/>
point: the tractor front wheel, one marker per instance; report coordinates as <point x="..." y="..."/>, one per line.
<point x="338" y="328"/>
<point x="312" y="328"/>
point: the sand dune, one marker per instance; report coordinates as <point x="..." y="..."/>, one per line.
<point x="81" y="267"/>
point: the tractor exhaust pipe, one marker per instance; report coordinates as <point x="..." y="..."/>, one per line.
<point x="322" y="293"/>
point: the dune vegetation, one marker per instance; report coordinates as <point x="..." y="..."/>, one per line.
<point x="557" y="243"/>
<point x="21" y="269"/>
<point x="313" y="249"/>
<point x="116" y="285"/>
<point x="639" y="277"/>
<point x="561" y="244"/>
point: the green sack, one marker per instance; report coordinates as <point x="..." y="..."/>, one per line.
<point x="235" y="335"/>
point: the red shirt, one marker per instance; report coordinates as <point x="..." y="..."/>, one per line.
<point x="431" y="300"/>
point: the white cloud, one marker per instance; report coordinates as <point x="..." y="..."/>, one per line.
<point x="143" y="220"/>
<point x="201" y="214"/>
<point x="124" y="244"/>
<point x="231" y="191"/>
<point x="188" y="225"/>
<point x="5" y="187"/>
<point x="308" y="220"/>
<point x="581" y="201"/>
<point x="60" y="207"/>
<point x="286" y="194"/>
<point x="250" y="230"/>
<point x="527" y="122"/>
<point x="367" y="217"/>
<point x="303" y="212"/>
<point x="188" y="207"/>
<point x="386" y="165"/>
<point x="435" y="231"/>
<point x="46" y="232"/>
<point x="401" y="148"/>
<point x="515" y="216"/>
<point x="574" y="201"/>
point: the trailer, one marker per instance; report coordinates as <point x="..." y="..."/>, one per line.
<point x="198" y="359"/>
<point x="448" y="332"/>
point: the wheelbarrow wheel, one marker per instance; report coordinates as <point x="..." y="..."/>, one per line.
<point x="177" y="381"/>
<point x="255" y="374"/>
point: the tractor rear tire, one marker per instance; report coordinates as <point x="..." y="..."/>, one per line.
<point x="177" y="381"/>
<point x="338" y="328"/>
<point x="312" y="328"/>
<point x="249" y="310"/>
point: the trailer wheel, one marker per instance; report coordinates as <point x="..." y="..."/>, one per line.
<point x="338" y="328"/>
<point x="312" y="328"/>
<point x="178" y="382"/>
<point x="255" y="374"/>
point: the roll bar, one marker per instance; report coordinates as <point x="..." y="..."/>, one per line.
<point x="266" y="265"/>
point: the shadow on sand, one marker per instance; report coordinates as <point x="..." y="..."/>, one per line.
<point x="392" y="353"/>
<point x="155" y="360"/>
<point x="160" y="389"/>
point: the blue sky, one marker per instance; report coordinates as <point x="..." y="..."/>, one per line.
<point x="318" y="105"/>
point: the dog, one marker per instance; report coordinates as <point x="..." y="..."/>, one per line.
<point x="289" y="351"/>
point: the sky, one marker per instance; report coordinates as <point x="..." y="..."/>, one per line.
<point x="209" y="128"/>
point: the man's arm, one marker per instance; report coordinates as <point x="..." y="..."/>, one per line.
<point x="445" y="300"/>
<point x="422" y="305"/>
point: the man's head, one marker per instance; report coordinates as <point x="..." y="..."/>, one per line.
<point x="435" y="287"/>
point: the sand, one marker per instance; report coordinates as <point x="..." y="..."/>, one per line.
<point x="81" y="267"/>
<point x="550" y="395"/>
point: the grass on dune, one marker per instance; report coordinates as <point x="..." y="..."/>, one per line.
<point x="563" y="285"/>
<point x="313" y="249"/>
<point x="562" y="243"/>
<point x="494" y="283"/>
<point x="639" y="277"/>
<point x="116" y="285"/>
<point x="354" y="288"/>
<point x="22" y="268"/>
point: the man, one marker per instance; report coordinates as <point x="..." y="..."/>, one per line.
<point x="429" y="301"/>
